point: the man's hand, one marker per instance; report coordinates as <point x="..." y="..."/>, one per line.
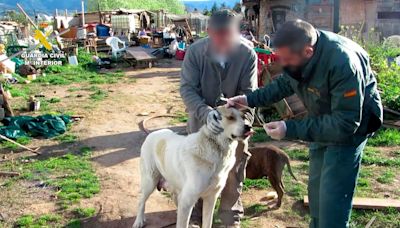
<point x="276" y="130"/>
<point x="237" y="102"/>
<point x="213" y="122"/>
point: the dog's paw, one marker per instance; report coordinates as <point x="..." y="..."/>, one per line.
<point x="139" y="223"/>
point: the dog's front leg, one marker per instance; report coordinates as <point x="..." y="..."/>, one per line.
<point x="208" y="209"/>
<point x="186" y="201"/>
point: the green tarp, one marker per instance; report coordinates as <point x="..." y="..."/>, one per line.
<point x="46" y="126"/>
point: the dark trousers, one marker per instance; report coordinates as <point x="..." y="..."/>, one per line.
<point x="333" y="176"/>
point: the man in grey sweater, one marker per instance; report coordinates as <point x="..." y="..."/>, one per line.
<point x="221" y="65"/>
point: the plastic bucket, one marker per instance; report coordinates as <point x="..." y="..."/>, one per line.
<point x="103" y="30"/>
<point x="180" y="54"/>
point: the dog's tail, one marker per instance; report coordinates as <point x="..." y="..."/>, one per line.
<point x="290" y="167"/>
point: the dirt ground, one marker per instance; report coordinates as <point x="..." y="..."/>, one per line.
<point x="111" y="129"/>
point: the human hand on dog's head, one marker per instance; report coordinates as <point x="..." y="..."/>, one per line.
<point x="238" y="102"/>
<point x="213" y="122"/>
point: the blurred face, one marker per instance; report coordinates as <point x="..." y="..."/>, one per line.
<point x="224" y="40"/>
<point x="294" y="61"/>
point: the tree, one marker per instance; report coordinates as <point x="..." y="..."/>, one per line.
<point x="223" y="6"/>
<point x="237" y="7"/>
<point x="206" y="12"/>
<point x="12" y="15"/>
<point x="172" y="6"/>
<point x="214" y="8"/>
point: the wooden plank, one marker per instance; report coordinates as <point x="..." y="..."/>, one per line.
<point x="139" y="53"/>
<point x="369" y="203"/>
<point x="9" y="174"/>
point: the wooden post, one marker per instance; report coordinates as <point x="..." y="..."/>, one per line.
<point x="20" y="145"/>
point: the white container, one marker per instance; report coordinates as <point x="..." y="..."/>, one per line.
<point x="81" y="34"/>
<point x="73" y="60"/>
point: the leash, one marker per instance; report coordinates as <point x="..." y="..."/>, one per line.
<point x="143" y="125"/>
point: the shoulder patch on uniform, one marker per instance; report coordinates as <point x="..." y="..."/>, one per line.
<point x="350" y="93"/>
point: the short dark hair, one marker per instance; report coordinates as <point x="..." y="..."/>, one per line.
<point x="224" y="18"/>
<point x="295" y="35"/>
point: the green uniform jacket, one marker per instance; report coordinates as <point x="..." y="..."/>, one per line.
<point x="339" y="90"/>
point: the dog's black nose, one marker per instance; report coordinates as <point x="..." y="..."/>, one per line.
<point x="247" y="128"/>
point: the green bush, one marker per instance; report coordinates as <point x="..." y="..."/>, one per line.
<point x="388" y="76"/>
<point x="385" y="137"/>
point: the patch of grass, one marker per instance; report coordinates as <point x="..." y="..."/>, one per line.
<point x="386" y="177"/>
<point x="54" y="100"/>
<point x="75" y="223"/>
<point x="181" y="117"/>
<point x="12" y="146"/>
<point x="66" y="75"/>
<point x="258" y="183"/>
<point x="296" y="190"/>
<point x="98" y="95"/>
<point x="365" y="172"/>
<point x="246" y="222"/>
<point x="66" y="138"/>
<point x="71" y="175"/>
<point x="260" y="135"/>
<point x="84" y="212"/>
<point x="385" y="137"/>
<point x="256" y="209"/>
<point x="298" y="154"/>
<point x="372" y="156"/>
<point x="92" y="88"/>
<point x="73" y="89"/>
<point x="293" y="188"/>
<point x="47" y="220"/>
<point x="388" y="218"/>
<point x="363" y="184"/>
<point x="17" y="91"/>
<point x="44" y="105"/>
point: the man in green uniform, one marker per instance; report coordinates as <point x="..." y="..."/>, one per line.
<point x="332" y="76"/>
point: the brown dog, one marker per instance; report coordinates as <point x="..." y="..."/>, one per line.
<point x="269" y="162"/>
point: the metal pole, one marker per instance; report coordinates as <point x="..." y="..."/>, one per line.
<point x="83" y="13"/>
<point x="336" y="16"/>
<point x="26" y="15"/>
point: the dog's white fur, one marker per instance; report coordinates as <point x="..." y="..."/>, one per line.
<point x="194" y="166"/>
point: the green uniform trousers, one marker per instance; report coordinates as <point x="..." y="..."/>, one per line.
<point x="333" y="176"/>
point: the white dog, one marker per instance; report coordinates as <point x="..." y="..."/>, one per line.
<point x="194" y="166"/>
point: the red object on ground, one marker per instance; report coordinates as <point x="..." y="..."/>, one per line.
<point x="180" y="54"/>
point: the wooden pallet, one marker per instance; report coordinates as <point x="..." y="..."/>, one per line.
<point x="369" y="203"/>
<point x="140" y="56"/>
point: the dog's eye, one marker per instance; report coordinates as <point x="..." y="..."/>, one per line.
<point x="230" y="118"/>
